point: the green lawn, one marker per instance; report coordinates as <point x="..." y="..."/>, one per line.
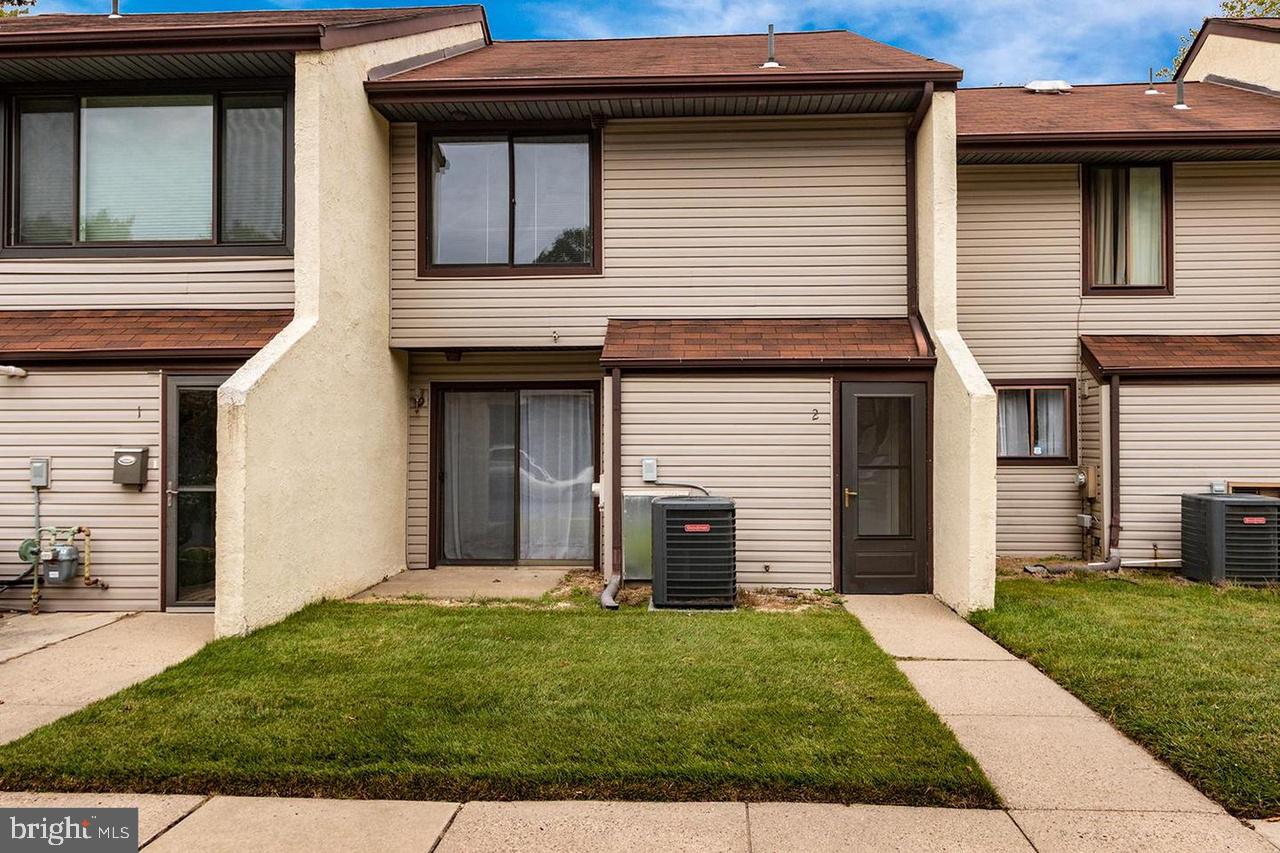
<point x="1191" y="672"/>
<point x="553" y="701"/>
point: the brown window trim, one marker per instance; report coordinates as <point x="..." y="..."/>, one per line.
<point x="426" y="269"/>
<point x="1087" y="285"/>
<point x="218" y="88"/>
<point x="1069" y="385"/>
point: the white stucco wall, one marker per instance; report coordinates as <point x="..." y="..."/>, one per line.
<point x="1247" y="60"/>
<point x="312" y="431"/>
<point x="964" y="410"/>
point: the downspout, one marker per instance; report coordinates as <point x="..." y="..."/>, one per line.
<point x="913" y="262"/>
<point x="608" y="598"/>
<point x="1113" y="535"/>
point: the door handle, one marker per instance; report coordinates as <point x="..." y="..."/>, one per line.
<point x="170" y="492"/>
<point x="849" y="494"/>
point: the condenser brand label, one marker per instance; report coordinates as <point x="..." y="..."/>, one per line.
<point x="1255" y="519"/>
<point x="697" y="528"/>
<point x="72" y="830"/>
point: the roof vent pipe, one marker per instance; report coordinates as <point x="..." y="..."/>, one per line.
<point x="772" y="61"/>
<point x="1182" y="98"/>
<point x="115" y="9"/>
<point x="1151" y="82"/>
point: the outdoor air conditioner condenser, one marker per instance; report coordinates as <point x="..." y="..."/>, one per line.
<point x="1231" y="538"/>
<point x="693" y="552"/>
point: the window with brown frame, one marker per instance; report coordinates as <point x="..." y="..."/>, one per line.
<point x="1035" y="422"/>
<point x="510" y="202"/>
<point x="130" y="171"/>
<point x="1128" y="230"/>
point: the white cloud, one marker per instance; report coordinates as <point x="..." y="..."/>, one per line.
<point x="995" y="41"/>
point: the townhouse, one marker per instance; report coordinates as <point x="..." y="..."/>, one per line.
<point x="1119" y="283"/>
<point x="367" y="290"/>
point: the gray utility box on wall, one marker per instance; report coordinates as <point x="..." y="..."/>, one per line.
<point x="694" y="563"/>
<point x="1231" y="538"/>
<point x="129" y="467"/>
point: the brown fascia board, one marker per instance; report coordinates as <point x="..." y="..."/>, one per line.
<point x="1223" y="27"/>
<point x="126" y="356"/>
<point x="706" y="85"/>
<point x="284" y="38"/>
<point x="763" y="363"/>
<point x="1084" y="142"/>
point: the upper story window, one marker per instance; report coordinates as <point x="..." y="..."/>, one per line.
<point x="1128" y="230"/>
<point x="1035" y="423"/>
<point x="148" y="170"/>
<point x="512" y="203"/>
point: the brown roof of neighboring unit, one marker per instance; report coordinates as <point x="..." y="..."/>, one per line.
<point x="1114" y="113"/>
<point x="280" y="29"/>
<point x="1261" y="29"/>
<point x="825" y="56"/>
<point x="1176" y="355"/>
<point x="775" y="342"/>
<point x="130" y="333"/>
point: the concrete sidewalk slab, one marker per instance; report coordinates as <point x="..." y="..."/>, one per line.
<point x="23" y="634"/>
<point x="237" y="824"/>
<point x="466" y="582"/>
<point x="1268" y="829"/>
<point x="156" y="812"/>
<point x="921" y="627"/>
<point x="1072" y="763"/>
<point x="1137" y="832"/>
<point x="815" y="828"/>
<point x="569" y="827"/>
<point x="91" y="666"/>
<point x="1012" y="687"/>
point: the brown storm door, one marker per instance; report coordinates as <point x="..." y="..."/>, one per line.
<point x="882" y="494"/>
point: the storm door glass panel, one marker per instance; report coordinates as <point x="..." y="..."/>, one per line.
<point x="252" y="169"/>
<point x="553" y="200"/>
<point x="46" y="171"/>
<point x="146" y="168"/>
<point x="196" y="479"/>
<point x="884" y="466"/>
<point x="478" y="479"/>
<point x="557" y="468"/>
<point x="470" y="200"/>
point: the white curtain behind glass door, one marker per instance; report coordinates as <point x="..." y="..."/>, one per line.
<point x="557" y="467"/>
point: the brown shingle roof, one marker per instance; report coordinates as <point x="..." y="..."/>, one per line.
<point x="831" y="52"/>
<point x="690" y="342"/>
<point x="137" y="332"/>
<point x="1108" y="355"/>
<point x="1117" y="112"/>
<point x="310" y="28"/>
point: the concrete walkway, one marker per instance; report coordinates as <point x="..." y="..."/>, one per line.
<point x="1071" y="782"/>
<point x="56" y="663"/>
<point x="462" y="583"/>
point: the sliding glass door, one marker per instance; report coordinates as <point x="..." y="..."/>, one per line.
<point x="515" y="468"/>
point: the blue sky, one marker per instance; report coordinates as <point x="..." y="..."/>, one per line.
<point x="995" y="41"/>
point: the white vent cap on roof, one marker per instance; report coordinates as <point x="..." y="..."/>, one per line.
<point x="1048" y="87"/>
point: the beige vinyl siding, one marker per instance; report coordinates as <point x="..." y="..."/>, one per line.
<point x="1177" y="438"/>
<point x="146" y="283"/>
<point x="514" y="367"/>
<point x="1093" y="419"/>
<point x="1021" y="312"/>
<point x="1018" y="256"/>
<point x="753" y="439"/>
<point x="725" y="217"/>
<point x="76" y="418"/>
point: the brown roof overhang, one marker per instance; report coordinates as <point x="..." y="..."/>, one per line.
<point x="250" y="34"/>
<point x="131" y="334"/>
<point x="787" y="343"/>
<point x="1181" y="355"/>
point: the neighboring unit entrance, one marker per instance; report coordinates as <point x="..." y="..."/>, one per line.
<point x="513" y="469"/>
<point x="883" y="490"/>
<point x="191" y="472"/>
